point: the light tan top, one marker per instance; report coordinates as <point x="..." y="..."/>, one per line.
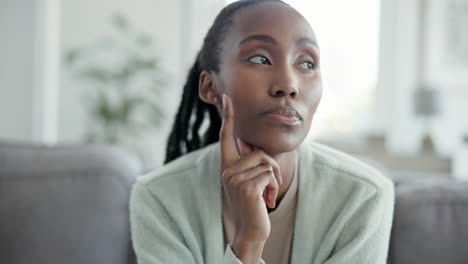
<point x="278" y="246"/>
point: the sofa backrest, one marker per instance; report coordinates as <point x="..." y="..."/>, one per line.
<point x="430" y="223"/>
<point x="65" y="204"/>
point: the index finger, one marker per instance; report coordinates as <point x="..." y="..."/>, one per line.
<point x="229" y="154"/>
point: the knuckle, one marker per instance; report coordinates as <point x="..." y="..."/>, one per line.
<point x="225" y="174"/>
<point x="272" y="177"/>
<point x="275" y="168"/>
<point x="266" y="170"/>
<point x="269" y="167"/>
<point x="272" y="162"/>
<point x="275" y="165"/>
<point x="268" y="160"/>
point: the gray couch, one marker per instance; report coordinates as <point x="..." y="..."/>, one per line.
<point x="66" y="204"/>
<point x="69" y="204"/>
<point x="430" y="224"/>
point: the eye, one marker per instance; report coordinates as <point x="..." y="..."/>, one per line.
<point x="259" y="59"/>
<point x="309" y="66"/>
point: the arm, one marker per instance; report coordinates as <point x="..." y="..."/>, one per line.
<point x="365" y="236"/>
<point x="156" y="238"/>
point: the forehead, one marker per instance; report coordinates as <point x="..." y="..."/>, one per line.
<point x="277" y="20"/>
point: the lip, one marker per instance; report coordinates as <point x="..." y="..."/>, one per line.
<point x="284" y="115"/>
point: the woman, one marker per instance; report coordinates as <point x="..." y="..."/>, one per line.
<point x="259" y="194"/>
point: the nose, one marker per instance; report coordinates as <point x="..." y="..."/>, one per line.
<point x="284" y="84"/>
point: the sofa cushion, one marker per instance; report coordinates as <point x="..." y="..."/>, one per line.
<point x="65" y="204"/>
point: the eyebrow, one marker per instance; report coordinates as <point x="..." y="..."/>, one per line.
<point x="269" y="39"/>
<point x="264" y="38"/>
<point x="307" y="41"/>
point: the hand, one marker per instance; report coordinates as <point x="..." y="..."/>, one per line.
<point x="250" y="180"/>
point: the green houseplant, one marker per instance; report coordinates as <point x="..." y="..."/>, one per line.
<point x="121" y="82"/>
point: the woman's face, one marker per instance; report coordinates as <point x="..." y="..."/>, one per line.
<point x="270" y="70"/>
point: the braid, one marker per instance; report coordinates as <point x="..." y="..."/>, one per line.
<point x="178" y="136"/>
<point x="191" y="106"/>
<point x="212" y="133"/>
<point x="200" y="116"/>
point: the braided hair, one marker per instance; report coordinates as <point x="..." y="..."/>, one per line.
<point x="185" y="133"/>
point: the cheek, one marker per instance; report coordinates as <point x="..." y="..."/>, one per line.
<point x="313" y="93"/>
<point x="243" y="80"/>
<point x="316" y="96"/>
<point x="312" y="99"/>
<point x="246" y="89"/>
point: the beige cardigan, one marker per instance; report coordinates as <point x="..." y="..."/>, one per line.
<point x="344" y="211"/>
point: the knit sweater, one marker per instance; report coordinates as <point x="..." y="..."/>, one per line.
<point x="343" y="216"/>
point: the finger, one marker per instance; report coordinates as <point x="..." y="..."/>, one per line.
<point x="239" y="179"/>
<point x="243" y="148"/>
<point x="229" y="154"/>
<point x="272" y="194"/>
<point x="251" y="160"/>
<point x="267" y="182"/>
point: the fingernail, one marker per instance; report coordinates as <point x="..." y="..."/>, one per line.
<point x="239" y="145"/>
<point x="224" y="101"/>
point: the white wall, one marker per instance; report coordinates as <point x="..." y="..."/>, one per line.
<point x="400" y="73"/>
<point x="17" y="41"/>
<point x="83" y="22"/>
<point x="177" y="27"/>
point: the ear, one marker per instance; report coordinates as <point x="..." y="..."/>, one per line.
<point x="207" y="88"/>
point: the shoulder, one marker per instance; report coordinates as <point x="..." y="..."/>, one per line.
<point x="344" y="171"/>
<point x="180" y="174"/>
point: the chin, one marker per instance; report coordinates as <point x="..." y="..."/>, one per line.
<point x="276" y="144"/>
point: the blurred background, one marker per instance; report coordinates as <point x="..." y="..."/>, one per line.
<point x="395" y="75"/>
<point x="89" y="90"/>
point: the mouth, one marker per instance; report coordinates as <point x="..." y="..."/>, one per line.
<point x="284" y="116"/>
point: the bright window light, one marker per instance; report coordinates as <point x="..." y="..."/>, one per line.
<point x="348" y="36"/>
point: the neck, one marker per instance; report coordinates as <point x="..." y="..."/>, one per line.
<point x="287" y="162"/>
